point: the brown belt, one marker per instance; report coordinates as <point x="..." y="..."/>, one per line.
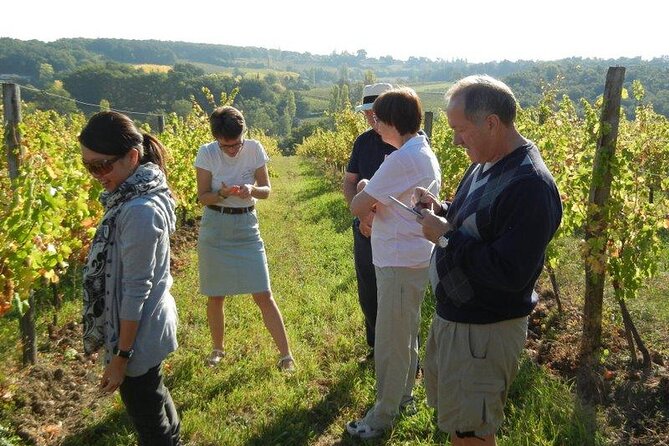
<point x="224" y="210"/>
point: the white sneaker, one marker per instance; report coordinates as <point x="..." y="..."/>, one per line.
<point x="361" y="429"/>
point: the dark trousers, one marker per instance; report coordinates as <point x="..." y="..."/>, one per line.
<point x="151" y="409"/>
<point x="366" y="275"/>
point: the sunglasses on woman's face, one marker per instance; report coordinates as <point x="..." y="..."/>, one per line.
<point x="101" y="167"/>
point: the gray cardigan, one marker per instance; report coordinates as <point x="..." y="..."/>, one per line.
<point x="138" y="280"/>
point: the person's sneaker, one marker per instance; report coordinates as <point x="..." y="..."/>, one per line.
<point x="369" y="357"/>
<point x="361" y="429"/>
<point x="215" y="357"/>
<point x="286" y="364"/>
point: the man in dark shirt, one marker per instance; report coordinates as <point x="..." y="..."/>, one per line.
<point x="368" y="153"/>
<point x="490" y="247"/>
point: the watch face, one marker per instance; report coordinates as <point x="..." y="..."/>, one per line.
<point x="442" y="242"/>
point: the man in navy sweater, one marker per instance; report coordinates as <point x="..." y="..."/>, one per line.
<point x="490" y="246"/>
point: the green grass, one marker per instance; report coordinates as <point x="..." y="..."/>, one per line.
<point x="306" y="228"/>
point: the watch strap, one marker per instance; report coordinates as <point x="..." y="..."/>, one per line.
<point x="127" y="354"/>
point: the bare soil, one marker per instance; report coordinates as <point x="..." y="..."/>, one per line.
<point x="635" y="403"/>
<point x="47" y="401"/>
<point x="50" y="398"/>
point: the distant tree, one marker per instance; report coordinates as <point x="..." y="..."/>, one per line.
<point x="259" y="114"/>
<point x="302" y="107"/>
<point x="188" y="70"/>
<point x="335" y="102"/>
<point x="271" y="79"/>
<point x="370" y="77"/>
<point x="256" y="88"/>
<point x="46" y="75"/>
<point x="344" y="98"/>
<point x="344" y="74"/>
<point x="287" y="114"/>
<point x="182" y="107"/>
<point x="297" y="135"/>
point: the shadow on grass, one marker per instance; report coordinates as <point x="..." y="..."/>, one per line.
<point x="301" y="426"/>
<point x="218" y="387"/>
<point x="639" y="409"/>
<point x="346" y="285"/>
<point x="114" y="429"/>
<point x="534" y="390"/>
<point x="331" y="208"/>
<point x="325" y="199"/>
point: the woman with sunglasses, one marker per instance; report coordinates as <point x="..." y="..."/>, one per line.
<point x="231" y="175"/>
<point x="128" y="308"/>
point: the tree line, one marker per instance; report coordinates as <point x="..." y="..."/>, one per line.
<point x="95" y="70"/>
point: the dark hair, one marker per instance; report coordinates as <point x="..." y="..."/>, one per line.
<point x="113" y="133"/>
<point x="401" y="108"/>
<point x="227" y="123"/>
<point x="484" y="95"/>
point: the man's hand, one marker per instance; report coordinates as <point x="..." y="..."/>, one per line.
<point x="433" y="225"/>
<point x="424" y="199"/>
<point x="366" y="225"/>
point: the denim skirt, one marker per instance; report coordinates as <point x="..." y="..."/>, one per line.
<point x="231" y="254"/>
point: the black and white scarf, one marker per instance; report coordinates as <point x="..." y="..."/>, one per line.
<point x="148" y="179"/>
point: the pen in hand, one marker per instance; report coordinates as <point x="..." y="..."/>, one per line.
<point x="419" y="204"/>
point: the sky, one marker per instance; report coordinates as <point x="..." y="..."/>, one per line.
<point x="475" y="30"/>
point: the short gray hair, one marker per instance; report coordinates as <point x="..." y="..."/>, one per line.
<point x="484" y="95"/>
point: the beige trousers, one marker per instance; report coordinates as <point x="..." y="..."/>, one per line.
<point x="400" y="294"/>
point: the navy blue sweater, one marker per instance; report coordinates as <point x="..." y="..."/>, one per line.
<point x="496" y="252"/>
<point x="368" y="153"/>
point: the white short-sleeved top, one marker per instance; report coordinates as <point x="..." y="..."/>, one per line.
<point x="236" y="170"/>
<point x="397" y="238"/>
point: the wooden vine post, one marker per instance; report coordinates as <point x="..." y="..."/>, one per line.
<point x="596" y="235"/>
<point x="11" y="101"/>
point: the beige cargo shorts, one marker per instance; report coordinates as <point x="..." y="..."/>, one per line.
<point x="468" y="371"/>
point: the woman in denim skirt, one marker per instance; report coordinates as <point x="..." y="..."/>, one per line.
<point x="231" y="175"/>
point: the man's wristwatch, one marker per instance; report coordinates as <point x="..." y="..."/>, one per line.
<point x="442" y="241"/>
<point x="127" y="354"/>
